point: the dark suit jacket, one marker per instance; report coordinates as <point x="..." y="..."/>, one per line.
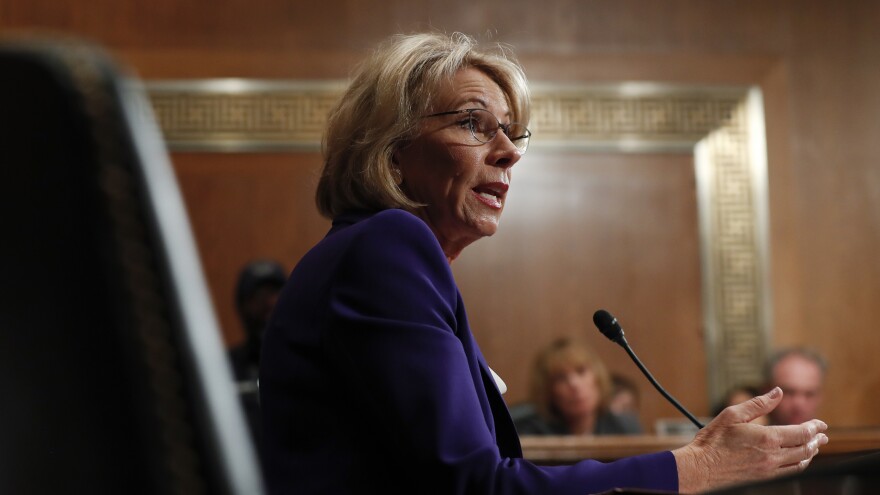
<point x="371" y="381"/>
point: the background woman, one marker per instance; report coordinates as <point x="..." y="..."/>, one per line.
<point x="570" y="391"/>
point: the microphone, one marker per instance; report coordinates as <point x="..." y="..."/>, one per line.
<point x="608" y="325"/>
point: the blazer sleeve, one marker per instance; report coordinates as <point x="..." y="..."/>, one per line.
<point x="392" y="329"/>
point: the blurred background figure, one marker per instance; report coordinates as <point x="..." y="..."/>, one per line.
<point x="570" y="394"/>
<point x="800" y="372"/>
<point x="738" y="394"/>
<point x="256" y="292"/>
<point x="624" y="396"/>
<point x="259" y="283"/>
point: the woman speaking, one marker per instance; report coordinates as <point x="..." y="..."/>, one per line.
<point x="371" y="381"/>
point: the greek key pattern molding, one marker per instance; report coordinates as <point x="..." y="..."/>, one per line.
<point x="733" y="254"/>
<point x="221" y="116"/>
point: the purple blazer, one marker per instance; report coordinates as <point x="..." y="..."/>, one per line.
<point x="371" y="381"/>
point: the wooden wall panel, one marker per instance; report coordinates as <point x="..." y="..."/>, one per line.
<point x="816" y="61"/>
<point x="580" y="233"/>
<point x="248" y="206"/>
<point x="835" y="201"/>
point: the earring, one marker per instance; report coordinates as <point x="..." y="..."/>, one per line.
<point x="397" y="175"/>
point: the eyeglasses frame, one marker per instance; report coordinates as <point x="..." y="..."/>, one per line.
<point x="504" y="127"/>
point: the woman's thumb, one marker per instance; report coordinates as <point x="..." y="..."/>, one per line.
<point x="762" y="404"/>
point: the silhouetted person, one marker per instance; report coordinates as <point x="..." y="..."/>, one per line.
<point x="256" y="292"/>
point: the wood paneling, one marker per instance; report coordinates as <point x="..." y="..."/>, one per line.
<point x="815" y="60"/>
<point x="584" y="232"/>
<point x="244" y="207"/>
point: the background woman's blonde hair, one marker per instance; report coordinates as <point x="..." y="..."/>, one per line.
<point x="565" y="353"/>
<point x="380" y="111"/>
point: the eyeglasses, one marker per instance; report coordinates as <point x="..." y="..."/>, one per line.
<point x="484" y="125"/>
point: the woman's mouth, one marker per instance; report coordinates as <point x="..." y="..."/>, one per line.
<point x="491" y="194"/>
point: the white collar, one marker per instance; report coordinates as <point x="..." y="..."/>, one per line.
<point x="502" y="387"/>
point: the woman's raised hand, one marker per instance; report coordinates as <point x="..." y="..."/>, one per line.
<point x="731" y="450"/>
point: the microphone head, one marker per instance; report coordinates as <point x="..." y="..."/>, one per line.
<point x="607" y="324"/>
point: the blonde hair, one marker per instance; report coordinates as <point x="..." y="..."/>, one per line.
<point x="565" y="353"/>
<point x="381" y="109"/>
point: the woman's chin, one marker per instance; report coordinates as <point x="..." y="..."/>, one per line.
<point x="487" y="225"/>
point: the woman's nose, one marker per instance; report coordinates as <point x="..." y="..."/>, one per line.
<point x="504" y="153"/>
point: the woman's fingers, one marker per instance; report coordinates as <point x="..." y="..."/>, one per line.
<point x="794" y="435"/>
<point x="792" y="468"/>
<point x="799" y="456"/>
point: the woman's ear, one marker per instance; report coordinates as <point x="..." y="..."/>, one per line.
<point x="395" y="166"/>
<point x="399" y="147"/>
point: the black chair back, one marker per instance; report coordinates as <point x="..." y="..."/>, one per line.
<point x="113" y="378"/>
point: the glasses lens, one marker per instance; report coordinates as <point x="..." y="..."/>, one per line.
<point x="484" y="125"/>
<point x="519" y="136"/>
